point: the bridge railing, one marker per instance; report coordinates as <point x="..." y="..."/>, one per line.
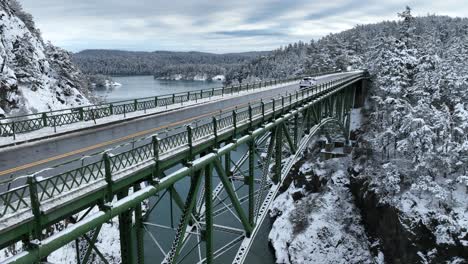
<point x="11" y="126"/>
<point x="43" y="189"/>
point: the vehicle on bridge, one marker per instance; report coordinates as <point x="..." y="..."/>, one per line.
<point x="307" y="82"/>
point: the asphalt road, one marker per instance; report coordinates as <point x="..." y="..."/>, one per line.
<point x="33" y="157"/>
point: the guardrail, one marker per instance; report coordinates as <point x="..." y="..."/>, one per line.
<point x="11" y="126"/>
<point x="39" y="190"/>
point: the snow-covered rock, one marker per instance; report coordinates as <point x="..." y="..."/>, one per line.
<point x="112" y="84"/>
<point x="219" y="78"/>
<point x="323" y="226"/>
<point x="34" y="76"/>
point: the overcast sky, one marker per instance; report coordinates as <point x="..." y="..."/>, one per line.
<point x="211" y="25"/>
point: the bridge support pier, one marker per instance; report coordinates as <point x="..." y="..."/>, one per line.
<point x="360" y="93"/>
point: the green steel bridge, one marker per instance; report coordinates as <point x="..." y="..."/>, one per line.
<point x="210" y="186"/>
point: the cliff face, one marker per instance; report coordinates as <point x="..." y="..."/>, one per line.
<point x="34" y="76"/>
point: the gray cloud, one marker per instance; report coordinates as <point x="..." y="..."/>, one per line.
<point x="208" y="25"/>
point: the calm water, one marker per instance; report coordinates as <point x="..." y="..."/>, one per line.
<point x="146" y="86"/>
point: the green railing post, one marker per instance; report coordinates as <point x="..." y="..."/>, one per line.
<point x="173" y="98"/>
<point x="35" y="206"/>
<point x="215" y="131"/>
<point x="155" y="142"/>
<point x="282" y="104"/>
<point x="135" y="105"/>
<point x="234" y="123"/>
<point x="111" y="109"/>
<point x="13" y="129"/>
<point x="290" y="101"/>
<point x="263" y="110"/>
<point x="188" y="96"/>
<point x="108" y="176"/>
<point x="44" y="119"/>
<point x="81" y="113"/>
<point x="155" y="101"/>
<point x="190" y="143"/>
<point x="250" y="118"/>
<point x="273" y="107"/>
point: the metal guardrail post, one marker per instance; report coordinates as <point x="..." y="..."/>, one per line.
<point x="44" y="119"/>
<point x="263" y="110"/>
<point x="234" y="123"/>
<point x="215" y="131"/>
<point x="190" y="142"/>
<point x="290" y="101"/>
<point x="173" y="98"/>
<point x="155" y="142"/>
<point x="35" y="206"/>
<point x="81" y="113"/>
<point x="250" y="117"/>
<point x="273" y="107"/>
<point x="155" y="101"/>
<point x="108" y="176"/>
<point x="135" y="105"/>
<point x="13" y="129"/>
<point x="282" y="104"/>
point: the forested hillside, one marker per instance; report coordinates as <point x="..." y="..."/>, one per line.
<point x="417" y="124"/>
<point x="34" y="75"/>
<point x="162" y="64"/>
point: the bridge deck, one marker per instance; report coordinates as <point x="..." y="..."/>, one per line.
<point x="71" y="190"/>
<point x="32" y="157"/>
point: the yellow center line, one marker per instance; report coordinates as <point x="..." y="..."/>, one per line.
<point x="110" y="142"/>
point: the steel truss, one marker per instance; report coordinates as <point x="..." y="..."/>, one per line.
<point x="214" y="201"/>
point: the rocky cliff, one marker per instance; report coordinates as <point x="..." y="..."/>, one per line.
<point x="34" y="75"/>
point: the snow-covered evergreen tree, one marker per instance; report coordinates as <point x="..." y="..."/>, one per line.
<point x="34" y="76"/>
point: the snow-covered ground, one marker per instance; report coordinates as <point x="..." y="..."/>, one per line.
<point x="320" y="227"/>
